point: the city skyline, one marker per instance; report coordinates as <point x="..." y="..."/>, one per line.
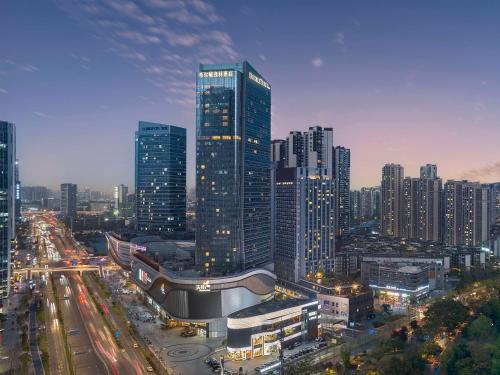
<point x="130" y="65"/>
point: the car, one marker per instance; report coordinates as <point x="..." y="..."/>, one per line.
<point x="149" y="369"/>
<point x="297" y="344"/>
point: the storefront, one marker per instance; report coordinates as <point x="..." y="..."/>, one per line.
<point x="261" y="330"/>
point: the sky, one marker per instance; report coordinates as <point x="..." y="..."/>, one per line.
<point x="403" y="82"/>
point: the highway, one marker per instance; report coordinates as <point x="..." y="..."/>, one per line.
<point x="58" y="363"/>
<point x="92" y="344"/>
<point x="33" y="345"/>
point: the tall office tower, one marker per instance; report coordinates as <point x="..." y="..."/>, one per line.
<point x="17" y="191"/>
<point x="428" y="171"/>
<point x="409" y="208"/>
<point x="233" y="168"/>
<point x="356" y="208"/>
<point x="7" y="201"/>
<point x="160" y="177"/>
<point x="120" y="196"/>
<point x="295" y="151"/>
<point x="305" y="226"/>
<point x="68" y="200"/>
<point x="318" y="145"/>
<point x="391" y="197"/>
<point x="342" y="175"/>
<point x="430" y="208"/>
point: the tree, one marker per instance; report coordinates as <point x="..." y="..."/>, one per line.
<point x="481" y="328"/>
<point x="345" y="355"/>
<point x="445" y="314"/>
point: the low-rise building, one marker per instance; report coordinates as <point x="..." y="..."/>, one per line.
<point x="396" y="279"/>
<point x="262" y="329"/>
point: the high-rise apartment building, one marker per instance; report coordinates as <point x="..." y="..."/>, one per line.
<point x="120" y="196"/>
<point x="233" y="168"/>
<point x="430" y="208"/>
<point x="370" y="203"/>
<point x="17" y="190"/>
<point x="342" y="176"/>
<point x="466" y="219"/>
<point x="355" y="204"/>
<point x="295" y="150"/>
<point x="160" y="177"/>
<point x="305" y="222"/>
<point x="391" y="194"/>
<point x="428" y="171"/>
<point x="318" y="149"/>
<point x="409" y="208"/>
<point x="7" y="201"/>
<point x="68" y="200"/>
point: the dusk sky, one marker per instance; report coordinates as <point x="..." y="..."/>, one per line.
<point x="405" y="82"/>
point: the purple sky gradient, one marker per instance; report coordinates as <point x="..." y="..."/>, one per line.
<point x="407" y="83"/>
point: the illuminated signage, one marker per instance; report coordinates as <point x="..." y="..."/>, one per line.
<point x="216" y="74"/>
<point x="259" y="80"/>
<point x="136" y="247"/>
<point x="144" y="277"/>
<point x="204" y="287"/>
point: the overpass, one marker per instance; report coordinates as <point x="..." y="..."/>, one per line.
<point x="28" y="272"/>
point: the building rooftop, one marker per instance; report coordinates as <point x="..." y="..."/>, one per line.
<point x="269" y="307"/>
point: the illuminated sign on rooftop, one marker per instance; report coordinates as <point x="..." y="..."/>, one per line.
<point x="216" y="74"/>
<point x="259" y="80"/>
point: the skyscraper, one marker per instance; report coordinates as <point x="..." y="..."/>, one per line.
<point x="17" y="191"/>
<point x="409" y="208"/>
<point x="466" y="220"/>
<point x="430" y="207"/>
<point x="428" y="171"/>
<point x="233" y="168"/>
<point x="68" y="200"/>
<point x="295" y="150"/>
<point x="342" y="175"/>
<point x="305" y="222"/>
<point x="120" y="197"/>
<point x="391" y="194"/>
<point x="318" y="144"/>
<point x="160" y="177"/>
<point x="7" y="201"/>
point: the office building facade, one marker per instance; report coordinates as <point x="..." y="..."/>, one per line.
<point x="7" y="202"/>
<point x="305" y="223"/>
<point x="160" y="177"/>
<point x="68" y="200"/>
<point x="233" y="168"/>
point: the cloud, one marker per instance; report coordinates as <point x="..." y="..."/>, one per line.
<point x="163" y="39"/>
<point x="340" y="37"/>
<point x="138" y="37"/>
<point x="262" y="57"/>
<point x="317" y="62"/>
<point x="3" y="91"/>
<point x="485" y="173"/>
<point x="40" y="114"/>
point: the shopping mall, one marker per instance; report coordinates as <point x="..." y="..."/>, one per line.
<point x="201" y="302"/>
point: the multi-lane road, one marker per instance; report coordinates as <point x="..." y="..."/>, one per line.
<point x="92" y="345"/>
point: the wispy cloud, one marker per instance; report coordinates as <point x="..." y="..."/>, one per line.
<point x="340" y="37"/>
<point x="488" y="172"/>
<point x="40" y="114"/>
<point x="317" y="62"/>
<point x="163" y="39"/>
<point x="3" y="91"/>
<point x="11" y="66"/>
